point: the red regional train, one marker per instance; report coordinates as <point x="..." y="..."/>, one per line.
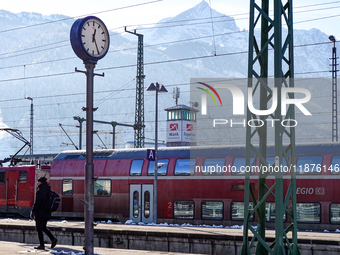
<point x="196" y="185"/>
<point x="18" y="187"/>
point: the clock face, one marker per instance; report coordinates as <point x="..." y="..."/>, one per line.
<point x="89" y="39"/>
<point x="94" y="38"/>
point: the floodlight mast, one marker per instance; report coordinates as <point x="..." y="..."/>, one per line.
<point x="31" y="128"/>
<point x="334" y="92"/>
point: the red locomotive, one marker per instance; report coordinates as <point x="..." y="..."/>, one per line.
<point x="197" y="185"/>
<point x="17" y="188"/>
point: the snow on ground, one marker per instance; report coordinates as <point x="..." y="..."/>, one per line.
<point x="165" y="224"/>
<point x="130" y="222"/>
<point x="55" y="252"/>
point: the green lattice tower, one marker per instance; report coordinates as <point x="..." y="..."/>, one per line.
<point x="139" y="135"/>
<point x="271" y="40"/>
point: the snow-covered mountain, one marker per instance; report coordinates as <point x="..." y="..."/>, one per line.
<point x="37" y="61"/>
<point x="199" y="21"/>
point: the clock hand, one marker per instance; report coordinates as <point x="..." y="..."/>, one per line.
<point x="95" y="42"/>
<point x="93" y="36"/>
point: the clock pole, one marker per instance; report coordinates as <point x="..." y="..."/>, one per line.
<point x="89" y="169"/>
<point x="84" y="44"/>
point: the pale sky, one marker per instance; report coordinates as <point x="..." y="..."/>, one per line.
<point x="153" y="12"/>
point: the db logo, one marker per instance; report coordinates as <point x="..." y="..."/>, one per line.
<point x="320" y="191"/>
<point x="189" y="127"/>
<point x="173" y="127"/>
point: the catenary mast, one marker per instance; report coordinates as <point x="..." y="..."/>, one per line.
<point x="281" y="48"/>
<point x="139" y="111"/>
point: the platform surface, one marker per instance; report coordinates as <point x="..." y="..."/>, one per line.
<point x="180" y="230"/>
<point x="14" y="248"/>
<point x="226" y="233"/>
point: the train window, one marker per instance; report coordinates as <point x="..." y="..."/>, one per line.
<point x="102" y="187"/>
<point x="184" y="209"/>
<point x="309" y="165"/>
<point x="308" y="212"/>
<point x="135" y="204"/>
<point x="72" y="157"/>
<point x="160" y="171"/>
<point x="213" y="166"/>
<point x="22" y="176"/>
<point x="185" y="166"/>
<point x="335" y="167"/>
<point x="240" y="186"/>
<point x="2" y="176"/>
<point x="136" y="167"/>
<point x="239" y="166"/>
<point x="335" y="213"/>
<point x="102" y="154"/>
<point x="237" y="210"/>
<point x="212" y="210"/>
<point x="270" y="212"/>
<point x="147" y="204"/>
<point x="271" y="161"/>
<point x="67" y="188"/>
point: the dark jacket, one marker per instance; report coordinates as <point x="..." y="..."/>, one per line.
<point x="41" y="199"/>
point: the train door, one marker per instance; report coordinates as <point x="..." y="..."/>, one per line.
<point x="141" y="203"/>
<point x="11" y="188"/>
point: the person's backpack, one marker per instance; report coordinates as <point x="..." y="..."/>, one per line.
<point x="52" y="202"/>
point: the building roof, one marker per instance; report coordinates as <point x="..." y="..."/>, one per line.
<point x="181" y="107"/>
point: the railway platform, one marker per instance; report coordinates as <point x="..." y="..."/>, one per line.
<point x="15" y="248"/>
<point x="166" y="239"/>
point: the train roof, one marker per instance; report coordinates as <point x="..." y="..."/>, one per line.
<point x="196" y="151"/>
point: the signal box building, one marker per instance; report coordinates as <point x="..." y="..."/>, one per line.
<point x="180" y="126"/>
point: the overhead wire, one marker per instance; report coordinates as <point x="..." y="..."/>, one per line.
<point x="56" y="47"/>
<point x="98" y="102"/>
<point x="212" y="28"/>
<point x="152" y="45"/>
<point x="215" y="17"/>
<point x="149" y="63"/>
<point x="130" y="113"/>
<point x="224" y="16"/>
<point x="321" y="18"/>
<point x="31" y="48"/>
<point x="177" y="60"/>
<point x="119" y="90"/>
<point x="120" y="50"/>
<point x="310" y="5"/>
<point x="69" y="18"/>
<point x="46" y="129"/>
<point x="49" y="61"/>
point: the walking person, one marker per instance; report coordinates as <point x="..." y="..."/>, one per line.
<point x="41" y="215"/>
